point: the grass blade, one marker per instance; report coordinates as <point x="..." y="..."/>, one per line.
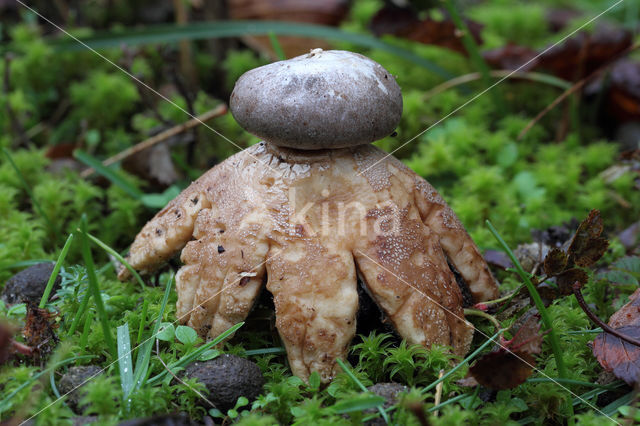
<point x="474" y="54"/>
<point x="79" y="314"/>
<point x="27" y="189"/>
<point x="94" y="288"/>
<point x="109" y="174"/>
<point x="87" y="328"/>
<point x="544" y="315"/>
<point x="360" y="403"/>
<point x="143" y="320"/>
<point x="124" y="359"/>
<point x="265" y="351"/>
<point x="276" y="46"/>
<point x="144" y="353"/>
<point x="54" y="273"/>
<point x="169" y="33"/>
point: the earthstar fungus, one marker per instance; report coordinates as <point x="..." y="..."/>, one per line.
<point x="310" y="208"/>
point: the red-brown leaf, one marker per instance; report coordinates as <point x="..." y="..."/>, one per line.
<point x="39" y="331"/>
<point x="555" y="262"/>
<point x="501" y="370"/>
<point x="616" y="355"/>
<point x="584" y="52"/>
<point x="511" y="364"/>
<point x="528" y="338"/>
<point x="511" y="57"/>
<point x="403" y="23"/>
<point x="587" y="247"/>
<point x="568" y="278"/>
<point x="5" y="342"/>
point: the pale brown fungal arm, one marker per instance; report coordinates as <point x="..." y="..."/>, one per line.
<point x="168" y="232"/>
<point x="314" y="292"/>
<point x="456" y="242"/>
<point x="407" y="275"/>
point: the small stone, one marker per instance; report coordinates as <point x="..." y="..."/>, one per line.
<point x="227" y="378"/>
<point x="29" y="284"/>
<point x="76" y="377"/>
<point x="389" y="391"/>
<point x="84" y="420"/>
<point x="320" y="100"/>
<point x="531" y="255"/>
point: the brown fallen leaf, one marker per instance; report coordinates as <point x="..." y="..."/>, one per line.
<point x="403" y="22"/>
<point x="5" y="342"/>
<point x="587" y="246"/>
<point x="555" y="262"/>
<point x="616" y="355"/>
<point x="511" y="57"/>
<point x="559" y="18"/>
<point x="623" y="99"/>
<point x="326" y="12"/>
<point x="568" y="278"/>
<point x="512" y="363"/>
<point x="39" y="332"/>
<point x="583" y="53"/>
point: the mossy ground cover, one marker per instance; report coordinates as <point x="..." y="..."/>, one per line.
<point x="474" y="158"/>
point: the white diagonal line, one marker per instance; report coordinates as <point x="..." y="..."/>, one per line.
<point x="133" y="77"/>
<point x="494" y="85"/>
<point x="488" y="337"/>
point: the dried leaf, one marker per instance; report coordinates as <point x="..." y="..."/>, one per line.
<point x="568" y="278"/>
<point x="528" y="338"/>
<point x="624" y="94"/>
<point x="511" y="364"/>
<point x="501" y="370"/>
<point x="39" y="331"/>
<point x="620" y="357"/>
<point x="616" y="355"/>
<point x="558" y="19"/>
<point x="154" y="165"/>
<point x="5" y="342"/>
<point x="555" y="262"/>
<point x="587" y="247"/>
<point x="584" y="52"/>
<point x="511" y="57"/>
<point x="326" y="12"/>
<point x="402" y="22"/>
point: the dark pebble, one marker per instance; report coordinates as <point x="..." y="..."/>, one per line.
<point x="77" y="376"/>
<point x="29" y="284"/>
<point x="388" y="391"/>
<point x="227" y="378"/>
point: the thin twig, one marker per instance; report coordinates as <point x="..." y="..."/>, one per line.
<point x="438" y="397"/>
<point x="467" y="78"/>
<point x="216" y="112"/>
<point x="573" y="89"/>
<point x="607" y="329"/>
<point x="483" y="314"/>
